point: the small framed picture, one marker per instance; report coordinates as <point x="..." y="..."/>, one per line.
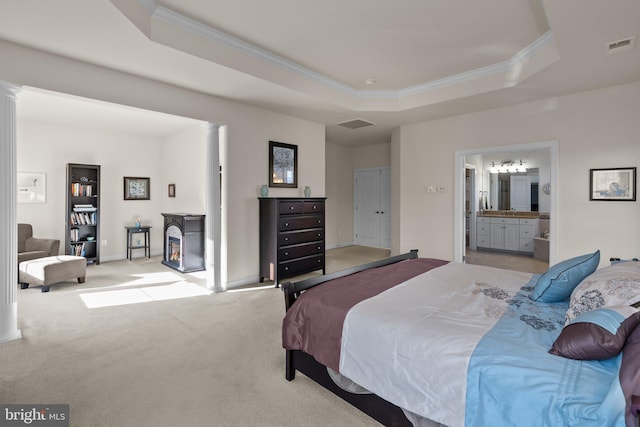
<point x="172" y="190"/>
<point x="136" y="188"/>
<point x="616" y="184"/>
<point x="283" y="165"/>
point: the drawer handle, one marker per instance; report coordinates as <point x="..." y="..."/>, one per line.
<point x="319" y="221"/>
<point x="319" y="235"/>
<point x="286" y="239"/>
<point x="286" y="253"/>
<point x="286" y="224"/>
<point x="286" y="268"/>
<point x="315" y="207"/>
<point x="319" y="248"/>
<point x="291" y="208"/>
<point x="319" y="261"/>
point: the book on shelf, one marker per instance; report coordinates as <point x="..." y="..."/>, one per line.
<point x="83" y="218"/>
<point x="84" y="208"/>
<point x="81" y="190"/>
<point x="78" y="249"/>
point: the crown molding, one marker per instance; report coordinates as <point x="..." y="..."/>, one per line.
<point x="290" y="74"/>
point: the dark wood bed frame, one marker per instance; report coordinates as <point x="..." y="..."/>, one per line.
<point x="379" y="409"/>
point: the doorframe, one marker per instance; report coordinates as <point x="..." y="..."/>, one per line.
<point x="473" y="203"/>
<point x="459" y="193"/>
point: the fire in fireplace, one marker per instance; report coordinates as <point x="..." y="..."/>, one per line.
<point x="174" y="246"/>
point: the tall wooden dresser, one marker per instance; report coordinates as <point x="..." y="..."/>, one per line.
<point x="292" y="234"/>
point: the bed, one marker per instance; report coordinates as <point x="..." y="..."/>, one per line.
<point x="419" y="341"/>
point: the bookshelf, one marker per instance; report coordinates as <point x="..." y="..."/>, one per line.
<point x="82" y="224"/>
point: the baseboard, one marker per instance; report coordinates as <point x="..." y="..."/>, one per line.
<point x="340" y="245"/>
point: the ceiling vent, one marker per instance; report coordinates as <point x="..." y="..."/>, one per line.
<point x="620" y="45"/>
<point x="355" y="124"/>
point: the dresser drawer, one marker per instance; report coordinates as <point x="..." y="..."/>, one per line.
<point x="301" y="265"/>
<point x="295" y="237"/>
<point x="526" y="245"/>
<point x="300" y="222"/>
<point x="484" y="241"/>
<point x="285" y="208"/>
<point x="311" y="207"/>
<point x="505" y="221"/>
<point x="299" y="251"/>
<point x="484" y="228"/>
<point x="527" y="231"/>
<point x="529" y="221"/>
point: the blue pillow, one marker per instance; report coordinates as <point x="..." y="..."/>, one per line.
<point x="557" y="283"/>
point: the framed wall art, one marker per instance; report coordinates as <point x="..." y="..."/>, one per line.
<point x="31" y="187"/>
<point x="615" y="184"/>
<point x="137" y="188"/>
<point x="283" y="165"/>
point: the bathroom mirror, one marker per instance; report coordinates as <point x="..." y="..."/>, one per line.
<point x="514" y="191"/>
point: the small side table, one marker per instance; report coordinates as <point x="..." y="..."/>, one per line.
<point x="147" y="240"/>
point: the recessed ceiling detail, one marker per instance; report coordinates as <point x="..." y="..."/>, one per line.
<point x="355" y="124"/>
<point x="173" y="29"/>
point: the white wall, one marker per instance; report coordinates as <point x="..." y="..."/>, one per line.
<point x="339" y="204"/>
<point x="341" y="161"/>
<point x="180" y="166"/>
<point x="248" y="131"/>
<point x="596" y="129"/>
<point x="372" y="156"/>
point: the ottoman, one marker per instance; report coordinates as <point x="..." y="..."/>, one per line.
<point x="52" y="269"/>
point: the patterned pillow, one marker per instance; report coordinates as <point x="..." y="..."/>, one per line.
<point x="557" y="283"/>
<point x="598" y="334"/>
<point x="616" y="285"/>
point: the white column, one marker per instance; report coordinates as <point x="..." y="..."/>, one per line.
<point x="213" y="230"/>
<point x="8" y="228"/>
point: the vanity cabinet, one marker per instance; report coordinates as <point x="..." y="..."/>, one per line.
<point x="483" y="232"/>
<point x="292" y="232"/>
<point x="506" y="233"/>
<point x="528" y="230"/>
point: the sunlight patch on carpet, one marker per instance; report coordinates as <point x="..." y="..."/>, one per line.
<point x="145" y="294"/>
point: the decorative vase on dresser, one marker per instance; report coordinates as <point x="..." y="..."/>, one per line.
<point x="292" y="234"/>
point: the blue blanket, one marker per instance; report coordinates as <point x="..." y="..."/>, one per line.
<point x="512" y="376"/>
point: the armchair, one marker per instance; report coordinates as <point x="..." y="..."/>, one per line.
<point x="30" y="247"/>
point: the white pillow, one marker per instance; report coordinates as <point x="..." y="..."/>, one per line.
<point x="611" y="286"/>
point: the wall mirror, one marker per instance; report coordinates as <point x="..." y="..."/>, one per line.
<point x="283" y="165"/>
<point x="515" y="191"/>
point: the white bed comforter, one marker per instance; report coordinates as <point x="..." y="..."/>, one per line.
<point x="391" y="342"/>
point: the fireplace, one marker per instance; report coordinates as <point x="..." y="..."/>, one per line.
<point x="184" y="242"/>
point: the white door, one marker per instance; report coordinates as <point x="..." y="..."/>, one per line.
<point x="520" y="191"/>
<point x="372" y="207"/>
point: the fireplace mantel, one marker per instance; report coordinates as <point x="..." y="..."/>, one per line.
<point x="183" y="242"/>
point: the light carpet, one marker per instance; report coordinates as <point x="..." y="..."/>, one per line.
<point x="140" y="344"/>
